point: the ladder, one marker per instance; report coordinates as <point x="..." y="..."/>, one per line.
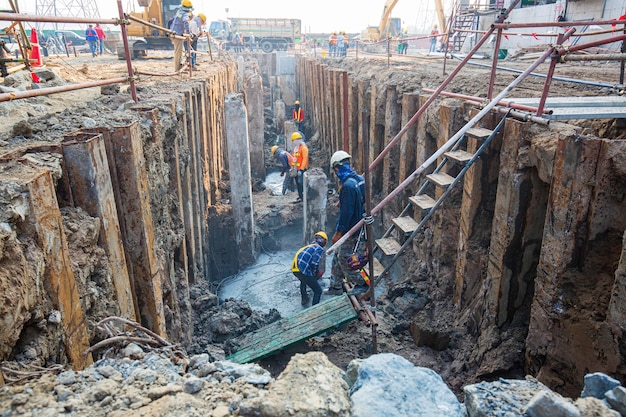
<point x="407" y="227"/>
<point x="464" y="21"/>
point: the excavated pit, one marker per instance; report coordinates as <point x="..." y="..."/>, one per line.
<point x="521" y="272"/>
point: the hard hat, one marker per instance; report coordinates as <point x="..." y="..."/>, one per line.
<point x="338" y="158"/>
<point x="274" y="149"/>
<point x="186" y="3"/>
<point x="296" y="135"/>
<point x="202" y="16"/>
<point x="321" y="238"/>
<point x="297" y="102"/>
<point x="436" y="25"/>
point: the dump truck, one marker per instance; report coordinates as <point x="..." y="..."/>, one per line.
<point x="269" y="34"/>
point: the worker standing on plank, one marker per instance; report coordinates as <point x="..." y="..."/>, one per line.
<point x="351" y="200"/>
<point x="180" y="25"/>
<point x="306" y="267"/>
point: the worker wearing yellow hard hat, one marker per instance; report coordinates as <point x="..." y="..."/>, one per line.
<point x="306" y="267"/>
<point x="301" y="155"/>
<point x="196" y="29"/>
<point x="286" y="161"/>
<point x="179" y="24"/>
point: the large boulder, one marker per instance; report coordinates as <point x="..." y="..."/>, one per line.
<point x="391" y="386"/>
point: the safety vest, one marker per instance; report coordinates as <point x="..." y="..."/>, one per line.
<point x="333" y="40"/>
<point x="298" y="115"/>
<point x="301" y="157"/>
<point x="294" y="263"/>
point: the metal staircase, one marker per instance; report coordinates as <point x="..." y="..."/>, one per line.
<point x="462" y="21"/>
<point x="406" y="228"/>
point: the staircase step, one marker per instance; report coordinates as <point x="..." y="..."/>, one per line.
<point x="423" y="201"/>
<point x="406" y="224"/>
<point x="440" y="178"/>
<point x="388" y="245"/>
<point x="459" y="156"/>
<point x="478" y="133"/>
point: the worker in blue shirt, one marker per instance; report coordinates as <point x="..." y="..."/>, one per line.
<point x="351" y="200"/>
<point x="306" y="267"/>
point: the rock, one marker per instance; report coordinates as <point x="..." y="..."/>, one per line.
<point x="103" y="389"/>
<point x="108" y="372"/>
<point x="386" y="380"/>
<point x="224" y="322"/>
<point x="89" y="123"/>
<point x="550" y="404"/>
<point x="593" y="407"/>
<point x="310" y="386"/>
<point x="62" y="393"/>
<point x="617" y="399"/>
<point x="158" y="392"/>
<point x="220" y="411"/>
<point x="146" y="376"/>
<point x="54" y="317"/>
<point x="67" y="378"/>
<point x="206" y="369"/>
<point x="197" y="361"/>
<point x="110" y="90"/>
<point x="22" y="128"/>
<point x="596" y="384"/>
<point x="132" y="351"/>
<point x="45" y="74"/>
<point x="506" y="397"/>
<point x="238" y="370"/>
<point x="192" y="385"/>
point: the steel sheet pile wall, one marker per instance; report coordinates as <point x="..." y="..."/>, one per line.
<point x="151" y="180"/>
<point x="534" y="240"/>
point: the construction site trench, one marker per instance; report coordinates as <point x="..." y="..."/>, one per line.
<point x="165" y="212"/>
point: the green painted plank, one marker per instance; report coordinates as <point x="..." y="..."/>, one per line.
<point x="292" y="330"/>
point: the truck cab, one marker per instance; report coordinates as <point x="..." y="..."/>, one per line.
<point x="158" y="12"/>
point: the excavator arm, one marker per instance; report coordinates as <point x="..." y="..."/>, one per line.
<point x="383" y="27"/>
<point x="440" y="15"/>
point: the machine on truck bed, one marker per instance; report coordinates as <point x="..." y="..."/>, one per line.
<point x="269" y="34"/>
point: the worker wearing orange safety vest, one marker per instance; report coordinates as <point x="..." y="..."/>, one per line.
<point x="332" y="44"/>
<point x="298" y="116"/>
<point x="301" y="155"/>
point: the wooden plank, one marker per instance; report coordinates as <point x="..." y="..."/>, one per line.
<point x="291" y="330"/>
<point x="388" y="245"/>
<point x="378" y="268"/>
<point x="478" y="133"/>
<point x="405" y="223"/>
<point x="440" y="178"/>
<point x="423" y="201"/>
<point x="459" y="156"/>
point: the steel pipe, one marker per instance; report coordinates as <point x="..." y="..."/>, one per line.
<point x="509" y="25"/>
<point x="129" y="65"/>
<point x="599" y="57"/>
<point x="60" y="89"/>
<point x="21" y="17"/>
<point x="510" y="104"/>
<point x="525" y="117"/>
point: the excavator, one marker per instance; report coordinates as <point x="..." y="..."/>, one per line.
<point x="392" y="26"/>
<point x="144" y="38"/>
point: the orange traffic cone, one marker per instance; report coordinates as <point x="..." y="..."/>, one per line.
<point x="34" y="52"/>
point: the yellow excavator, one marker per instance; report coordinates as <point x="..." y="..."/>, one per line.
<point x="144" y="38"/>
<point x="392" y="26"/>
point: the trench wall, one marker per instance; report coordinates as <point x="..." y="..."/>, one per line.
<point x="526" y="258"/>
<point x="113" y="219"/>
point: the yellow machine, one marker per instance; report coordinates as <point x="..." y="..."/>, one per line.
<point x="144" y="38"/>
<point x="388" y="26"/>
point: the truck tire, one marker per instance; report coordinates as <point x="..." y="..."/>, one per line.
<point x="267" y="47"/>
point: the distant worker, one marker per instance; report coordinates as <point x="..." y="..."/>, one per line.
<point x="306" y="267"/>
<point x="332" y="44"/>
<point x="92" y="39"/>
<point x="238" y="42"/>
<point x="433" y="40"/>
<point x="404" y="43"/>
<point x="286" y="161"/>
<point x="301" y="155"/>
<point x="351" y="200"/>
<point x="346" y="44"/>
<point x="196" y="29"/>
<point x="251" y="41"/>
<point x="101" y="37"/>
<point x="180" y="25"/>
<point x="298" y="116"/>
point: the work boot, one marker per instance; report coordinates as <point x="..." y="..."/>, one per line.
<point x="359" y="289"/>
<point x="334" y="291"/>
<point x="305" y="300"/>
